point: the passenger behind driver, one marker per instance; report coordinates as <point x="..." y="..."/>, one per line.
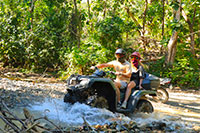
<point x="137" y="76"/>
<point x="123" y="71"/>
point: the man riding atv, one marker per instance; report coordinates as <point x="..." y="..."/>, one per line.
<point x="98" y="91"/>
<point x="123" y="72"/>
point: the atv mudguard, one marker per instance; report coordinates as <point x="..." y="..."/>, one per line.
<point x="136" y="96"/>
<point x="134" y="99"/>
<point x="105" y="87"/>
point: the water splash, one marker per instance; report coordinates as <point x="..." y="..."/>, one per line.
<point x="72" y="115"/>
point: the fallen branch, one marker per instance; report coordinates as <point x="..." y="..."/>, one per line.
<point x="8" y="121"/>
<point x="4" y="114"/>
<point x="45" y="118"/>
<point x="47" y="129"/>
<point x="13" y="114"/>
<point x="13" y="119"/>
<point x="16" y="129"/>
<point x="32" y="126"/>
<point x="87" y="125"/>
<point x="2" y="130"/>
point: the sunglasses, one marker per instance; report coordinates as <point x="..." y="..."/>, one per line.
<point x="135" y="57"/>
<point x="120" y="55"/>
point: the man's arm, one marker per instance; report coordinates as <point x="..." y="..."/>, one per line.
<point x="103" y="65"/>
<point x="109" y="64"/>
<point x="127" y="73"/>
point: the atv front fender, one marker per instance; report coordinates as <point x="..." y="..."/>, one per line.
<point x="105" y="87"/>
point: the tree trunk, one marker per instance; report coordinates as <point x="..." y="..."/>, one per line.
<point x="173" y="40"/>
<point x="144" y="16"/>
<point x="88" y="4"/>
<point x="144" y="40"/>
<point x="163" y="17"/>
<point x="134" y="19"/>
<point x="77" y="23"/>
<point x="127" y="36"/>
<point x="172" y="48"/>
<point x="199" y="35"/>
<point x="31" y="12"/>
<point x="105" y="8"/>
<point x="190" y="29"/>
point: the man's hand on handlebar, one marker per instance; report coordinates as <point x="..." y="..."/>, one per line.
<point x="93" y="67"/>
<point x="118" y="73"/>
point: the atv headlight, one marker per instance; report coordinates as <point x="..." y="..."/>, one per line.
<point x="73" y="81"/>
<point x="84" y="81"/>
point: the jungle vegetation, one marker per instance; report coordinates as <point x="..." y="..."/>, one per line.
<point x="69" y="36"/>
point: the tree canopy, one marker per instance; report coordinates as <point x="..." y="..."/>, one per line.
<point x="72" y="35"/>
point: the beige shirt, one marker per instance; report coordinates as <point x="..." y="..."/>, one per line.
<point x="121" y="67"/>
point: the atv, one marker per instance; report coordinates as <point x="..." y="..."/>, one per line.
<point x="98" y="91"/>
<point x="159" y="85"/>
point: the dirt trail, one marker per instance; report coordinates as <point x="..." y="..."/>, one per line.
<point x="184" y="105"/>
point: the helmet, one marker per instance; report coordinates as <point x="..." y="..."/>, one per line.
<point x="136" y="54"/>
<point x="120" y="51"/>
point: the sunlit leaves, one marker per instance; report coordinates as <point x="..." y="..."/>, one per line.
<point x="46" y="36"/>
<point x="39" y="46"/>
<point x="174" y="4"/>
<point x="82" y="59"/>
<point x="109" y="30"/>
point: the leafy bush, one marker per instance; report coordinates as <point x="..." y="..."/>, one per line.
<point x="12" y="51"/>
<point x="185" y="71"/>
<point x="79" y="60"/>
<point x="109" y="31"/>
<point x="36" y="44"/>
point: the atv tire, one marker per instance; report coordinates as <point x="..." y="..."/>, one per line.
<point x="144" y="106"/>
<point x="162" y="95"/>
<point x="100" y="102"/>
<point x="69" y="99"/>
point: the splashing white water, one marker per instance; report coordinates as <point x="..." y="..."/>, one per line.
<point x="72" y="115"/>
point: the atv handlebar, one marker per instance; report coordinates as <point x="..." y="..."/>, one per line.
<point x="97" y="70"/>
<point x="111" y="72"/>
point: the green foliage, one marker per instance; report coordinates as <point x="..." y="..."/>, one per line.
<point x="79" y="60"/>
<point x="185" y="71"/>
<point x="109" y="31"/>
<point x="174" y="4"/>
<point x="34" y="44"/>
<point x="11" y="33"/>
<point x="45" y="35"/>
